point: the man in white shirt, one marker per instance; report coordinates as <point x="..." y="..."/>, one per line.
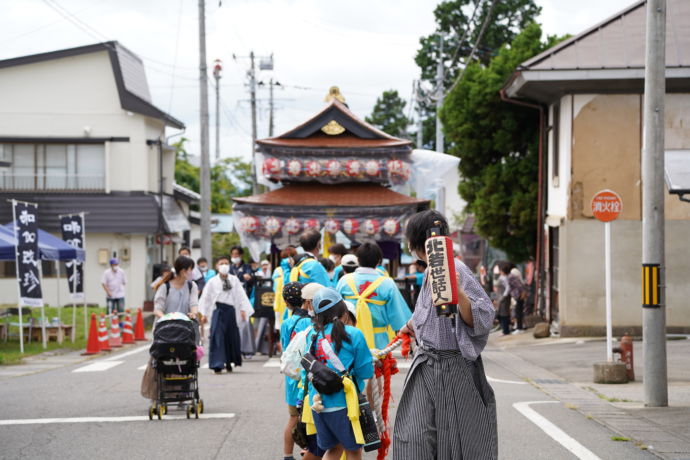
<point x="225" y="302"/>
<point x="113" y="282"/>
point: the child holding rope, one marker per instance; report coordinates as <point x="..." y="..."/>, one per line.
<point x="343" y="349"/>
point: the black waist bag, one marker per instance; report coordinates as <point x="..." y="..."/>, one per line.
<point x="325" y="380"/>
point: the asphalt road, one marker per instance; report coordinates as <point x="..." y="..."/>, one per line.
<point x="250" y="415"/>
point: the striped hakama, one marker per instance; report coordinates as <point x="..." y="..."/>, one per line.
<point x="447" y="410"/>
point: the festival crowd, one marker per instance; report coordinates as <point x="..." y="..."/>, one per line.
<point x="334" y="316"/>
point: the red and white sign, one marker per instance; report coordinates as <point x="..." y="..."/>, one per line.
<point x="607" y="205"/>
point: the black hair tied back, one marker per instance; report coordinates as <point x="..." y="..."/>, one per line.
<point x="332" y="315"/>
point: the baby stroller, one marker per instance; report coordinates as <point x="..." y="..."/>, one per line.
<point x="175" y="362"/>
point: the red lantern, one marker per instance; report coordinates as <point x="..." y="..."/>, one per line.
<point x="333" y="168"/>
<point x="371" y="226"/>
<point x="391" y="227"/>
<point x="313" y="168"/>
<point x="353" y="168"/>
<point x="271" y="167"/>
<point x="294" y="167"/>
<point x="292" y="226"/>
<point x="331" y="226"/>
<point x="372" y="168"/>
<point x="395" y="170"/>
<point x="272" y="225"/>
<point x="311" y="223"/>
<point x="249" y="224"/>
<point x="350" y="226"/>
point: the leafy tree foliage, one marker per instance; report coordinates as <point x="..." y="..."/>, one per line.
<point x="453" y="18"/>
<point x="497" y="143"/>
<point x="389" y="114"/>
<point x="229" y="177"/>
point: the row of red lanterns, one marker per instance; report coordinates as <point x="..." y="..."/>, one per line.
<point x="275" y="168"/>
<point x="293" y="226"/>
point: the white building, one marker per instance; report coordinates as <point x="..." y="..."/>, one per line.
<point x="81" y="133"/>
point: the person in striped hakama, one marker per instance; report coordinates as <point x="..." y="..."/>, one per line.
<point x="447" y="410"/>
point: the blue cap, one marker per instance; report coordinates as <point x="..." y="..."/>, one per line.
<point x="326" y="293"/>
<point x="114" y="261"/>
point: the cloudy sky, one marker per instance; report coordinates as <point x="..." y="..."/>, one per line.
<point x="363" y="46"/>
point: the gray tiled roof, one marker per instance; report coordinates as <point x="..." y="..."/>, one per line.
<point x="619" y="42"/>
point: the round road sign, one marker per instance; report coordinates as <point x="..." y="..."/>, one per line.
<point x="607" y="205"/>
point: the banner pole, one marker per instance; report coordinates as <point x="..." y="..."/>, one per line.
<point x="74" y="302"/>
<point x="83" y="272"/>
<point x="59" y="309"/>
<point x="16" y="265"/>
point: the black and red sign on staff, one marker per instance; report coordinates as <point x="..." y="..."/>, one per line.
<point x="27" y="255"/>
<point x="72" y="227"/>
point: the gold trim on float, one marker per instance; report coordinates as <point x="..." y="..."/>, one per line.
<point x="333" y="128"/>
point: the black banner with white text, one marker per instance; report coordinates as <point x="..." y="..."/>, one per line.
<point x="72" y="227"/>
<point x="27" y="254"/>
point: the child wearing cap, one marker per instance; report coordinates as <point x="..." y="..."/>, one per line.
<point x="343" y="349"/>
<point x="298" y="321"/>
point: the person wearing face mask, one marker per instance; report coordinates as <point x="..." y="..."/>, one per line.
<point x="306" y="268"/>
<point x="202" y="271"/>
<point x="225" y="302"/>
<point x="336" y="253"/>
<point x="280" y="277"/>
<point x="177" y="293"/>
<point x="113" y="282"/>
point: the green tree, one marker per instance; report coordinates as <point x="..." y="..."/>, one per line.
<point x="230" y="177"/>
<point x="453" y="18"/>
<point x="389" y="114"/>
<point x="497" y="143"/>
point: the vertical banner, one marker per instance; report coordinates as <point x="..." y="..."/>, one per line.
<point x="72" y="227"/>
<point x="27" y="256"/>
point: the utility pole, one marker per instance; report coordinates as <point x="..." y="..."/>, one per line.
<point x="420" y="123"/>
<point x="653" y="244"/>
<point x="217" y="69"/>
<point x="205" y="161"/>
<point x="252" y="91"/>
<point x="439" y="95"/>
<point x="270" y="108"/>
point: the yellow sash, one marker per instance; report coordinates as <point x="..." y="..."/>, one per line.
<point x="297" y="271"/>
<point x="353" y="409"/>
<point x="278" y="301"/>
<point x="307" y="416"/>
<point x="364" y="321"/>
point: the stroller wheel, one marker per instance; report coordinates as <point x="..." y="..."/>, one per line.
<point x="200" y="406"/>
<point x="158" y="412"/>
<point x="152" y="411"/>
<point x="164" y="409"/>
<point x="189" y="411"/>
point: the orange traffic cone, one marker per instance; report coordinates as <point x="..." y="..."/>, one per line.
<point x="92" y="346"/>
<point x="139" y="326"/>
<point x="115" y="340"/>
<point x="103" y="334"/>
<point x="127" y="332"/>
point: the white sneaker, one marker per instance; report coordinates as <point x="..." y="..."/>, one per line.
<point x="518" y="331"/>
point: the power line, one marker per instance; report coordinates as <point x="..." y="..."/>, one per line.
<point x="177" y="42"/>
<point x="467" y="30"/>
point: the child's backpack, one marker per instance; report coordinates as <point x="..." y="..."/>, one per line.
<point x="292" y="356"/>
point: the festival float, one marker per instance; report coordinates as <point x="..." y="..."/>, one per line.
<point x="334" y="173"/>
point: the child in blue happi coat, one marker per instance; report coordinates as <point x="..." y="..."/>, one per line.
<point x="297" y="322"/>
<point x="343" y="349"/>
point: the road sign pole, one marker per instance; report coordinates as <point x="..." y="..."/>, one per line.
<point x="609" y="328"/>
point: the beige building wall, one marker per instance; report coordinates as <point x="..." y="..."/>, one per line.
<point x="605" y="153"/>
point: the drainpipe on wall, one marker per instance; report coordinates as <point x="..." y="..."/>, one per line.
<point x="540" y="195"/>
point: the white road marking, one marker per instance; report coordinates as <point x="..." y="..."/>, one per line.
<point x="141" y="368"/>
<point x="98" y="366"/>
<point x="127" y="353"/>
<point x="553" y="431"/>
<point x="514" y="382"/>
<point x="404" y="364"/>
<point x="133" y="418"/>
<point x="273" y="362"/>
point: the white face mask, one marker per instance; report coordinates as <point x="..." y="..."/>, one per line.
<point x="189" y="275"/>
<point x="203" y="268"/>
<point x="334" y="258"/>
<point x="236" y="260"/>
<point x="414" y="254"/>
<point x="223" y="269"/>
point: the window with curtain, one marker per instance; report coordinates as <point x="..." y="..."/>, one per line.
<point x="53" y="166"/>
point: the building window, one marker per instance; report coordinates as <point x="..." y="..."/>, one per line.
<point x="56" y="167"/>
<point x="555" y="154"/>
<point x="48" y="270"/>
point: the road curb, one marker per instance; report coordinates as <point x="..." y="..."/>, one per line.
<point x="660" y="442"/>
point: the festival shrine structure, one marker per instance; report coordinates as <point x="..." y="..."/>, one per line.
<point x="335" y="171"/>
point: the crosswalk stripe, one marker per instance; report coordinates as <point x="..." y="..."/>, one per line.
<point x="98" y="366"/>
<point x="133" y="418"/>
<point x="273" y="362"/>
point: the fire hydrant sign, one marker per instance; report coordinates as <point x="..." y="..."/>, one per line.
<point x="607" y="205"/>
